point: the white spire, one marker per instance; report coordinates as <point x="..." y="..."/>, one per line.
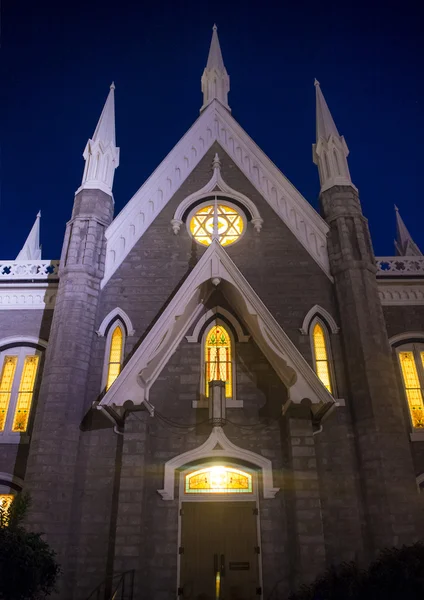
<point x="404" y="244"/>
<point x="101" y="154"/>
<point x="31" y="250"/>
<point x="215" y="79"/>
<point x="330" y="151"/>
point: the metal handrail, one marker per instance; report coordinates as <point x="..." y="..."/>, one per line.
<point x="107" y="591"/>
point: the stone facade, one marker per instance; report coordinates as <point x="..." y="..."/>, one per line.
<point x="94" y="477"/>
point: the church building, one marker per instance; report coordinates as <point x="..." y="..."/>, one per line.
<point x="218" y="392"/>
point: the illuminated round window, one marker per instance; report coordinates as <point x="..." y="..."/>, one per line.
<point x="216" y="221"/>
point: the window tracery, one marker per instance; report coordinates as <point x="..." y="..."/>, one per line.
<point x="218" y="359"/>
<point x="219" y="221"/>
<point x="411" y="360"/>
<point x="18" y="374"/>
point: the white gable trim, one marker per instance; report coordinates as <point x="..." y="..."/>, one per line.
<point x="116" y="312"/>
<point x="215" y="124"/>
<point x="186" y="306"/>
<point x="318" y="310"/>
<point x="216" y="181"/>
<point x="218" y="445"/>
<point x="217" y="311"/>
<point x="406" y="336"/>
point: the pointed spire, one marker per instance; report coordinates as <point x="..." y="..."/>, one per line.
<point x="101" y="154"/>
<point x="31" y="250"/>
<point x="105" y="130"/>
<point x="404" y="244"/>
<point x="325" y="124"/>
<point x="330" y="151"/>
<point x="215" y="79"/>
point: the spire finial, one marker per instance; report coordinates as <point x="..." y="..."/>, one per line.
<point x="31" y="250"/>
<point x="316" y="82"/>
<point x="101" y="154"/>
<point x="404" y="244"/>
<point x="216" y="163"/>
<point x="215" y="80"/>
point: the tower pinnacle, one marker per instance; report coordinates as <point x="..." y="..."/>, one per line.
<point x="215" y="79"/>
<point x="330" y="151"/>
<point x="31" y="250"/>
<point x="404" y="244"/>
<point x="101" y="154"/>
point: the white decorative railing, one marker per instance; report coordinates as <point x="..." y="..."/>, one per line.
<point x="29" y="269"/>
<point x="396" y="266"/>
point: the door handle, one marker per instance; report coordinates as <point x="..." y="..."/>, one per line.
<point x="222" y="565"/>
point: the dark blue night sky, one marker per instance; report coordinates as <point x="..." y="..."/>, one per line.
<point x="59" y="58"/>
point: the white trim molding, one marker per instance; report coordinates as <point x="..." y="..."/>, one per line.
<point x="11" y="479"/>
<point x="209" y="189"/>
<point x="217" y="445"/>
<point x="216" y="312"/>
<point x="121" y="314"/>
<point x="420" y="480"/>
<point x="215" y="124"/>
<point x="313" y="312"/>
<point x="401" y="294"/>
<point x="406" y="336"/>
<point x="215" y="268"/>
<point x="21" y="340"/>
<point x="21" y="296"/>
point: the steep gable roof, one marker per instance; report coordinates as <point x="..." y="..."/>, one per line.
<point x="215" y="124"/>
<point x="216" y="268"/>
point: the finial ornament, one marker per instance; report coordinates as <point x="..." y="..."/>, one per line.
<point x="216" y="163"/>
<point x="215" y="80"/>
<point x="316" y="82"/>
<point x="101" y="154"/>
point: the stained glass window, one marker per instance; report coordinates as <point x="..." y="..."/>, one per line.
<point x="218" y="480"/>
<point x="216" y="221"/>
<point x="25" y="393"/>
<point x="115" y="355"/>
<point x="218" y="363"/>
<point x="5" y="501"/>
<point x="322" y="366"/>
<point x="6" y="382"/>
<point x="412" y="386"/>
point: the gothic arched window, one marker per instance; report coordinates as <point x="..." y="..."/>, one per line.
<point x="411" y="360"/>
<point x="19" y="367"/>
<point x="218" y="359"/>
<point x="321" y="351"/>
<point x="115" y="353"/>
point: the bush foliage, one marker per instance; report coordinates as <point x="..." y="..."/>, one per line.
<point x="28" y="568"/>
<point x="397" y="574"/>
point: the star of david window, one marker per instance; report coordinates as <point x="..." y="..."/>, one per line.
<point x="216" y="221"/>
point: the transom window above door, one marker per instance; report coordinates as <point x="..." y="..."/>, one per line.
<point x="218" y="479"/>
<point x="216" y="221"/>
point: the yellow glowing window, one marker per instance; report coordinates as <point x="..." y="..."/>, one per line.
<point x="218" y="359"/>
<point x="218" y="480"/>
<point x="6" y="382"/>
<point x="412" y="387"/>
<point x="216" y="221"/>
<point x="115" y="356"/>
<point x="322" y="366"/>
<point x="5" y="501"/>
<point x="25" y="393"/>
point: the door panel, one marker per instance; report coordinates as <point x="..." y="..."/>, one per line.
<point x="218" y="557"/>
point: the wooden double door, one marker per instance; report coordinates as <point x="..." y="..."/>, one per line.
<point x="219" y="553"/>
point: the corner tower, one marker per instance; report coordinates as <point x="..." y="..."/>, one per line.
<point x="385" y="463"/>
<point x="52" y="463"/>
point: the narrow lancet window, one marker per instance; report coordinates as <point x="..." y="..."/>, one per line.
<point x="412" y="385"/>
<point x="322" y="365"/>
<point x="218" y="365"/>
<point x="6" y="382"/>
<point x="25" y="393"/>
<point x="115" y="355"/>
